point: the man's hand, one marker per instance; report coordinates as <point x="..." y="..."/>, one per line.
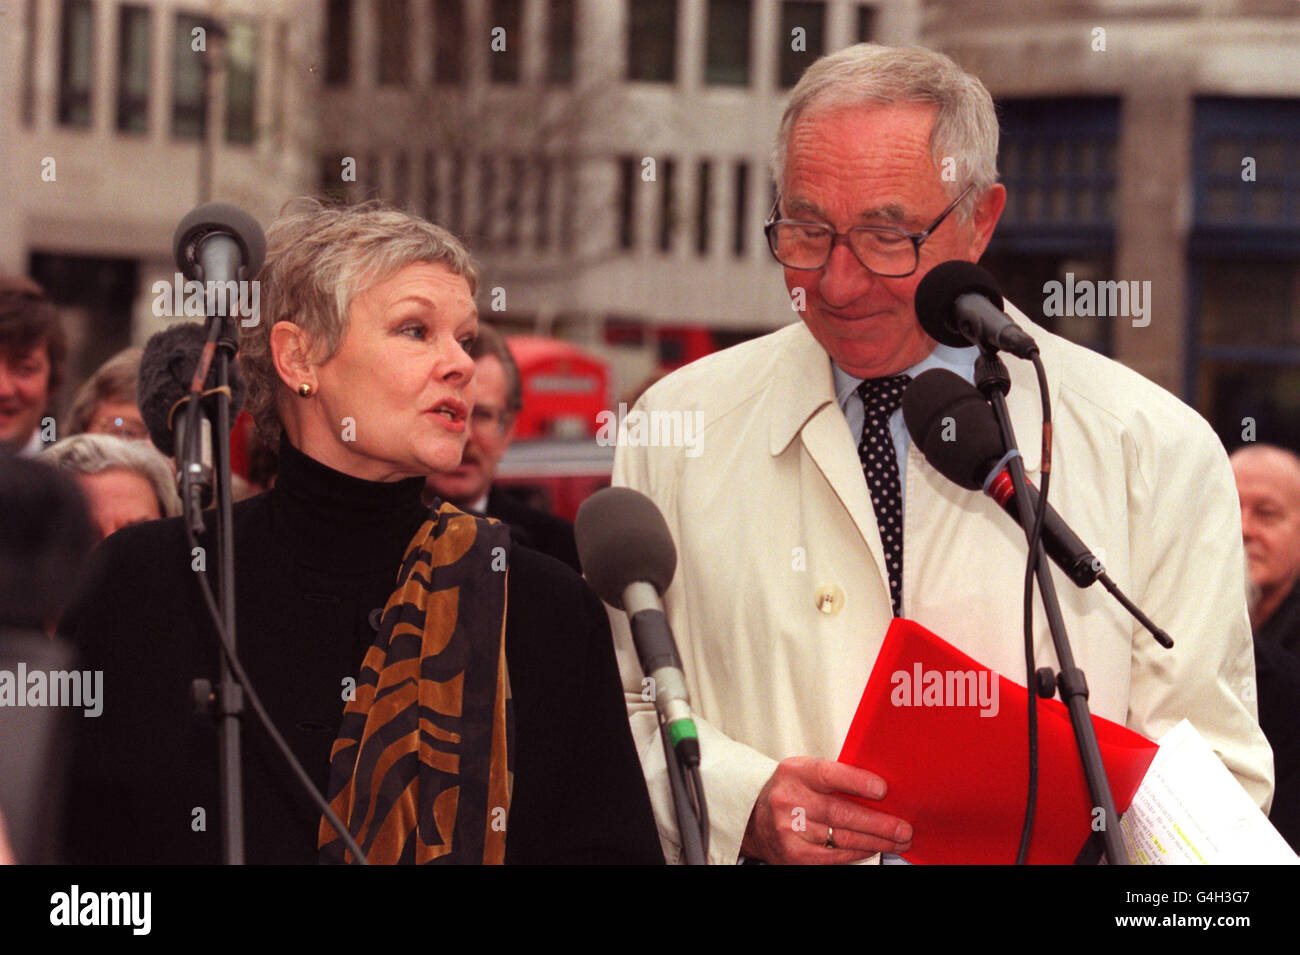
<point x="801" y="805"/>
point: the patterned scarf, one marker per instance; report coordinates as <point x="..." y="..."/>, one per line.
<point x="421" y="769"/>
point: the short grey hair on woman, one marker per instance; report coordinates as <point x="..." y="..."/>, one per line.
<point x="966" y="127"/>
<point x="96" y="453"/>
<point x="319" y="258"/>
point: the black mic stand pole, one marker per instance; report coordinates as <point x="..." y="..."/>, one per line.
<point x="224" y="702"/>
<point x="993" y="380"/>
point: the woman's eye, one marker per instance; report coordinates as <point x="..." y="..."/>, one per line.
<point x="467" y="342"/>
<point x="414" y="331"/>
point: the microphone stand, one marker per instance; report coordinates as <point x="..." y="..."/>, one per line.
<point x="994" y="381"/>
<point x="224" y="702"/>
<point x="688" y="822"/>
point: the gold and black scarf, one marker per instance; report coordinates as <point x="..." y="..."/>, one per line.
<point x="421" y="769"/>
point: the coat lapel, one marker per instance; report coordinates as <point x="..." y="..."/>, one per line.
<point x="801" y="405"/>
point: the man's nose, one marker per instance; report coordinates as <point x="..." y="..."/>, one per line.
<point x="844" y="279"/>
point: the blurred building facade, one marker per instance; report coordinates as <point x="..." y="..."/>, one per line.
<point x="119" y="118"/>
<point x="608" y="159"/>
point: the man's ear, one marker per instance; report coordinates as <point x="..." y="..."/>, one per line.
<point x="291" y="355"/>
<point x="985" y="219"/>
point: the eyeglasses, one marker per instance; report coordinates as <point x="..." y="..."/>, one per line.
<point x="887" y="252"/>
<point x="129" y="428"/>
<point x="485" y="417"/>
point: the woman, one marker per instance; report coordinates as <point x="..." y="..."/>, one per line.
<point x="106" y="403"/>
<point x="371" y="627"/>
<point x="124" y="482"/>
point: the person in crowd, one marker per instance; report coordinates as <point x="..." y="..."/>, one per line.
<point x="440" y="725"/>
<point x="32" y="355"/>
<point x="46" y="535"/>
<point x="805" y="521"/>
<point x="106" y="403"/>
<point x="1268" y="484"/>
<point x="497" y="401"/>
<point x="124" y="481"/>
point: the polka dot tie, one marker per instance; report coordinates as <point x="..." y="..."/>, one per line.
<point x="880" y="399"/>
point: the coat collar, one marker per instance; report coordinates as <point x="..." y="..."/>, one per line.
<point x="803" y="387"/>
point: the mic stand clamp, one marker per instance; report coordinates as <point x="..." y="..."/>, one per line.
<point x="994" y="381"/>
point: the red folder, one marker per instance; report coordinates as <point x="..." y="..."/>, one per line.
<point x="960" y="777"/>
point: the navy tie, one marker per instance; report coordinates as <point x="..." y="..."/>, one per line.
<point x="880" y="399"/>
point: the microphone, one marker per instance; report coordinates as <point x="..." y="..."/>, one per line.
<point x="954" y="427"/>
<point x="628" y="558"/>
<point x="166" y="369"/>
<point x="218" y="242"/>
<point x="959" y="304"/>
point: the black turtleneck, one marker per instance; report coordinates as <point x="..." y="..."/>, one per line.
<point x="316" y="557"/>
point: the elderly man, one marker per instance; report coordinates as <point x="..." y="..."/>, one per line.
<point x="498" y="399"/>
<point x="32" y="351"/>
<point x="1268" y="482"/>
<point x="790" y="568"/>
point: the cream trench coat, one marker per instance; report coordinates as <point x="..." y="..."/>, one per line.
<point x="780" y="600"/>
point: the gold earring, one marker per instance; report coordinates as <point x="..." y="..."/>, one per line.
<point x="304" y="390"/>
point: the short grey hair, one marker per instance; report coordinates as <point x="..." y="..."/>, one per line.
<point x="966" y="127"/>
<point x="319" y="258"/>
<point x="96" y="453"/>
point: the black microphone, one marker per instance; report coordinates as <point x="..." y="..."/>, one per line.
<point x="218" y="242"/>
<point x="959" y="304"/>
<point x="629" y="558"/>
<point x="167" y="366"/>
<point x="954" y="427"/>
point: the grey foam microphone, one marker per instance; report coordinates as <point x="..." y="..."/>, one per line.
<point x="629" y="558"/>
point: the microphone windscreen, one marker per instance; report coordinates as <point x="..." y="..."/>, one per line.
<point x="937" y="293"/>
<point x="953" y="426"/>
<point x="218" y="217"/>
<point x="622" y="538"/>
<point x="169" y="361"/>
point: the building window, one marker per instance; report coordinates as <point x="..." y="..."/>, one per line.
<point x="448" y="41"/>
<point x="802" y="39"/>
<point x="189" y="80"/>
<point x="430" y="185"/>
<point x="76" y="62"/>
<point x="1057" y="160"/>
<point x="506" y="33"/>
<point x="704" y="207"/>
<point x="456" y="194"/>
<point x="667" y="205"/>
<point x="241" y="82"/>
<point x="543" y="200"/>
<point x="652" y="41"/>
<point x="394" y="41"/>
<point x="627" y="183"/>
<point x="29" y="65"/>
<point x="487" y="209"/>
<point x="866" y="23"/>
<point x="1244" y="249"/>
<point x="726" y="60"/>
<point x="133" y="44"/>
<point x="338" y="42"/>
<point x="740" y="235"/>
<point x="331" y="182"/>
<point x="560" y="42"/>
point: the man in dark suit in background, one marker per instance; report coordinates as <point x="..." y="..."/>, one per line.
<point x="498" y="399"/>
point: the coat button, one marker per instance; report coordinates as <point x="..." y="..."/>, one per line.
<point x="830" y="599"/>
<point x="376" y="616"/>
